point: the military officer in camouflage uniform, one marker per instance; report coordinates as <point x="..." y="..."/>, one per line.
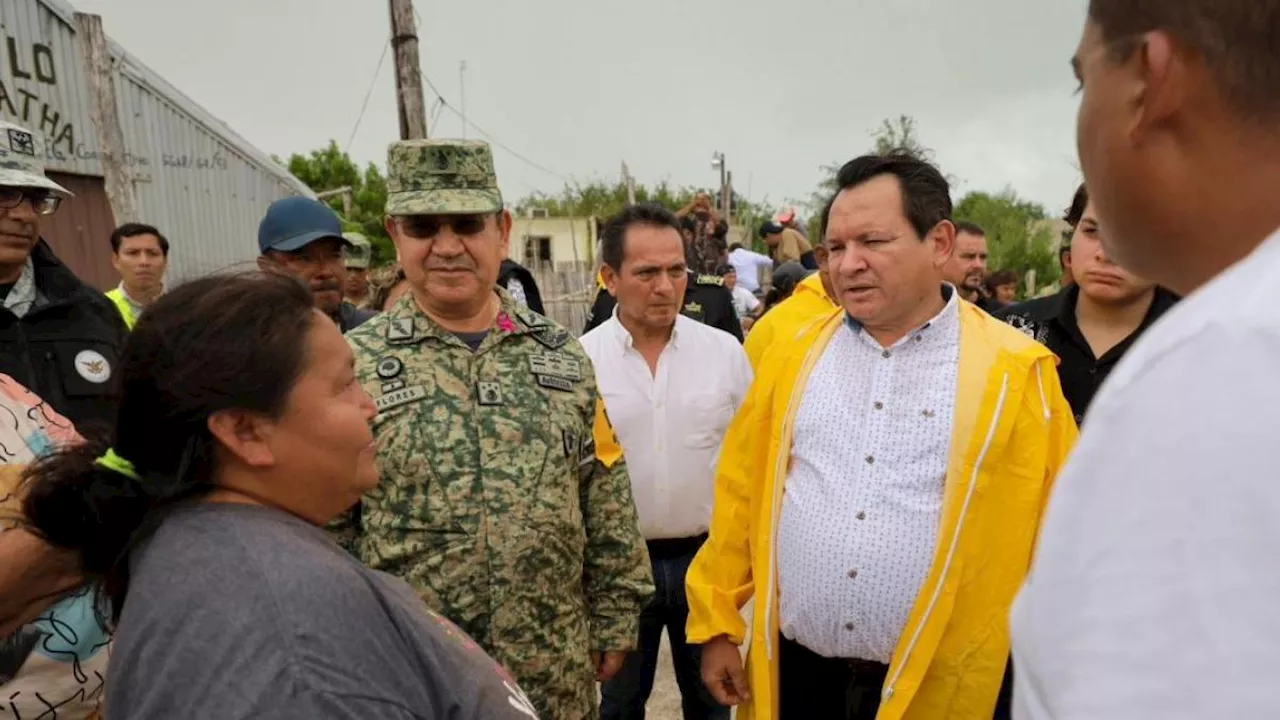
<point x="504" y="498"/>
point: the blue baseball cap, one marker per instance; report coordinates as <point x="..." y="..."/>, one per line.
<point x="295" y="222"/>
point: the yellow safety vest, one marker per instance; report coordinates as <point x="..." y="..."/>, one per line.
<point x="123" y="305"/>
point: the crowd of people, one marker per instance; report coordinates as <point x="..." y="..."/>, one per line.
<point x="328" y="490"/>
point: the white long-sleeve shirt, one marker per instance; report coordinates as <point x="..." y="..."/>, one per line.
<point x="1155" y="585"/>
<point x="748" y="264"/>
<point x="863" y="499"/>
<point x="671" y="423"/>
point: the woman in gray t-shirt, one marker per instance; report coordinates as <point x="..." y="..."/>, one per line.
<point x="245" y="432"/>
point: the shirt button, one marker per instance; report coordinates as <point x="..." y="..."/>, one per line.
<point x="918" y="338"/>
<point x="853" y="574"/>
<point x="848" y="626"/>
<point x="885" y="354"/>
<point x="879" y="406"/>
<point x="861" y="516"/>
<point x="871" y="459"/>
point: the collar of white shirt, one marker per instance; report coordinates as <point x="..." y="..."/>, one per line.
<point x="946" y="319"/>
<point x="626" y="342"/>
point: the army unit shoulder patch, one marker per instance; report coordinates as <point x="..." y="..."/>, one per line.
<point x="552" y="337"/>
<point x="400" y="329"/>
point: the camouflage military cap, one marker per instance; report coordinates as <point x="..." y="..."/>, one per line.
<point x="441" y="177"/>
<point x="359" y="252"/>
<point x="22" y="159"/>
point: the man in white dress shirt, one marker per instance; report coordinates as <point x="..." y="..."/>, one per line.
<point x="880" y="490"/>
<point x="749" y="265"/>
<point x="1156" y="581"/>
<point x="671" y="386"/>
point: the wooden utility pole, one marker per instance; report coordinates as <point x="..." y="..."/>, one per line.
<point x="106" y="117"/>
<point x="409" y="96"/>
<point x="348" y="197"/>
<point x="630" y="183"/>
<point x="728" y="197"/>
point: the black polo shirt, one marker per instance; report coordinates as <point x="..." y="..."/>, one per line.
<point x="1052" y="322"/>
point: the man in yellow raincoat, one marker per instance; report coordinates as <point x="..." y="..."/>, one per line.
<point x="880" y="491"/>
<point x="813" y="298"/>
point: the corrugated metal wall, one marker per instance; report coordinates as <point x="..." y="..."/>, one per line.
<point x="205" y="187"/>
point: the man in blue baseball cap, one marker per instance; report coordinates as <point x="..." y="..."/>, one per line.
<point x="303" y="238"/>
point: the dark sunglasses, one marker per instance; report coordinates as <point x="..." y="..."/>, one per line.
<point x="428" y="226"/>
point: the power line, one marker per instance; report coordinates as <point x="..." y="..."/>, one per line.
<point x="368" y="94"/>
<point x="495" y="141"/>
<point x="467" y="121"/>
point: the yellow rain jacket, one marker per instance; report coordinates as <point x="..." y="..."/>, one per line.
<point x="1011" y="434"/>
<point x="809" y="302"/>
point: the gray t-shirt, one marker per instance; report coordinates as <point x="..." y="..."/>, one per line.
<point x="238" y="611"/>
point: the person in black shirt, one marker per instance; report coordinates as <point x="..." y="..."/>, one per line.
<point x="518" y="281"/>
<point x="1089" y="324"/>
<point x="59" y="338"/>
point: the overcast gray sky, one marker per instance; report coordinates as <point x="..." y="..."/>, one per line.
<point x="577" y="86"/>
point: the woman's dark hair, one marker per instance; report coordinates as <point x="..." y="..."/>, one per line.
<point x="1000" y="277"/>
<point x="213" y="344"/>
<point x="926" y="195"/>
<point x="1075" y="213"/>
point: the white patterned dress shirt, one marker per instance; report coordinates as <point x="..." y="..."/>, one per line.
<point x="671" y="423"/>
<point x="863" y="497"/>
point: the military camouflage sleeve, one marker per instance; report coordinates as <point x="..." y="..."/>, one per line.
<point x="345" y="529"/>
<point x="616" y="575"/>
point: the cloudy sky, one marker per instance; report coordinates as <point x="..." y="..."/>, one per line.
<point x="577" y="86"/>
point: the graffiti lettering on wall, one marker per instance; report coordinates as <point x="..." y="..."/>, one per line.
<point x="83" y="152"/>
<point x="180" y="161"/>
<point x="35" y="65"/>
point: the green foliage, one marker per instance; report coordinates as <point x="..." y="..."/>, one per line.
<point x="899" y="134"/>
<point x="601" y="199"/>
<point x="1019" y="238"/>
<point x="330" y="168"/>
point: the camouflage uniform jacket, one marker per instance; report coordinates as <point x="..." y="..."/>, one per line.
<point x="494" y="500"/>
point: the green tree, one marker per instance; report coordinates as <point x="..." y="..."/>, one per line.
<point x="893" y="134"/>
<point x="1019" y="236"/>
<point x="329" y="168"/>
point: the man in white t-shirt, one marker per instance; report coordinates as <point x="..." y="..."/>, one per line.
<point x="1155" y="583"/>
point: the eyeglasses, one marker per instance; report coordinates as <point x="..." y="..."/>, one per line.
<point x="43" y="202"/>
<point x="424" y="227"/>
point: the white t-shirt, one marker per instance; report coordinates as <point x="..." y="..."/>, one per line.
<point x="744" y="303"/>
<point x="1155" y="592"/>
